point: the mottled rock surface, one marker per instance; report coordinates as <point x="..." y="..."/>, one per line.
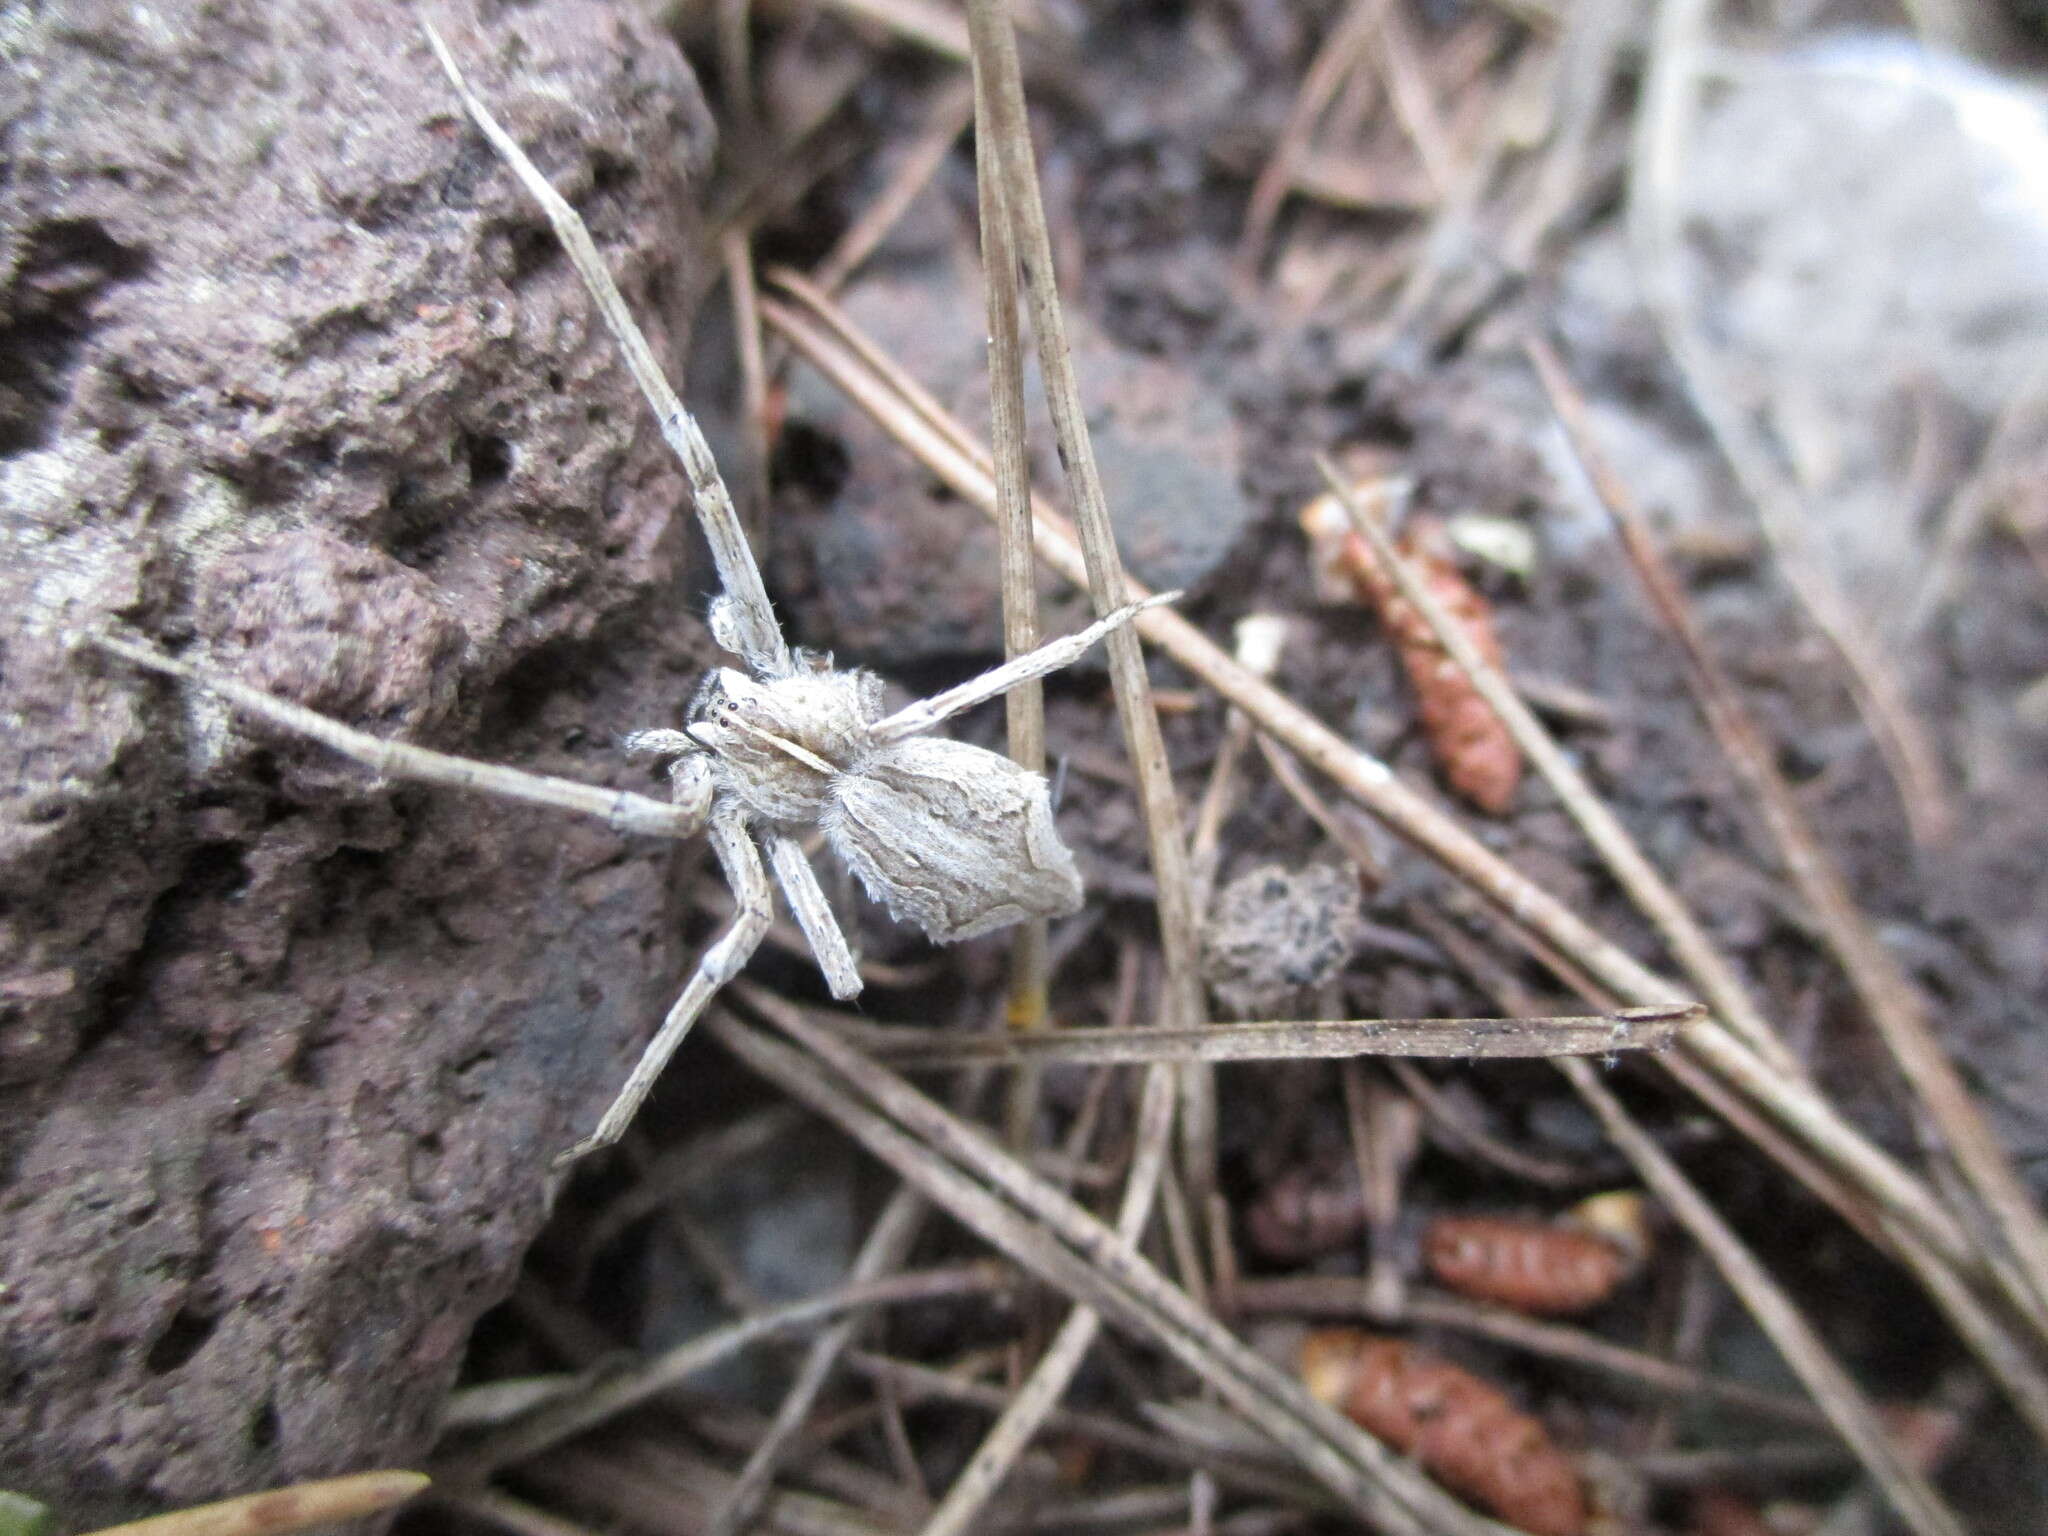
<point x="882" y="562"/>
<point x="297" y="382"/>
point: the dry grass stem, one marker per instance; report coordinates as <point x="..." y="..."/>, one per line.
<point x="1013" y="239"/>
<point x="280" y="1511"/>
<point x="960" y="1169"/>
<point x="736" y="253"/>
<point x="1704" y="965"/>
<point x="1888" y="995"/>
<point x="646" y="1483"/>
<point x="1042" y="1390"/>
<point x="1984" y="1332"/>
<point x="930" y="25"/>
<point x="829" y="341"/>
<point x="1908" y="1491"/>
<point x="947" y="119"/>
<point x="1455" y="1126"/>
<point x="1266" y="1475"/>
<point x="1393" y="49"/>
<point x="613" y="1393"/>
<point x="1587" y="55"/>
<point x="1260" y="639"/>
<point x="1024" y="708"/>
<point x="725" y="1425"/>
<point x="887" y="1246"/>
<point x="1599" y="1034"/>
<point x="1337" y="58"/>
<point x="1287" y="773"/>
<point x="996" y="53"/>
<point x="1664" y="131"/>
<point x="2000" y="471"/>
<point x="733" y="22"/>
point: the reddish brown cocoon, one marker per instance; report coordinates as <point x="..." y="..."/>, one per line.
<point x="1715" y="1513"/>
<point x="1531" y="1266"/>
<point x="1466" y="1434"/>
<point x="1472" y="745"/>
<point x="1299" y="1216"/>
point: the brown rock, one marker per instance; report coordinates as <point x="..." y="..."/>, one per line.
<point x="894" y="570"/>
<point x="297" y="380"/>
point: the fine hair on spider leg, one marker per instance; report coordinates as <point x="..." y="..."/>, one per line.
<point x="956" y="838"/>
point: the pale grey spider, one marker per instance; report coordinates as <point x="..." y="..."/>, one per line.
<point x="953" y="837"/>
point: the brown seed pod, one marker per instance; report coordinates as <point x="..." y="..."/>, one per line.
<point x="1478" y="756"/>
<point x="1531" y="1266"/>
<point x="1303" y="1216"/>
<point x="1465" y="1433"/>
<point x="1716" y="1513"/>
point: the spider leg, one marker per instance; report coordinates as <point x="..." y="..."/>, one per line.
<point x="914" y="719"/>
<point x="813" y="913"/>
<point x="619" y="808"/>
<point x="753" y="901"/>
<point x="753" y="629"/>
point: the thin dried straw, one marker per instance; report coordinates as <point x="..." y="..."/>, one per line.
<point x="644" y="1483"/>
<point x="1455" y="1126"/>
<point x="1408" y="93"/>
<point x="1599" y="1034"/>
<point x="1703" y="963"/>
<point x="946" y="120"/>
<point x="830" y="342"/>
<point x="282" y="1511"/>
<point x="736" y="253"/>
<point x="1979" y="1328"/>
<point x="1908" y="1491"/>
<point x="930" y="25"/>
<point x="1267" y="1476"/>
<point x="1014" y="237"/>
<point x="887" y="1246"/>
<point x="1337" y="58"/>
<point x="1105" y="579"/>
<point x="1888" y="995"/>
<point x="1831" y="1387"/>
<point x="1987" y="1333"/>
<point x="1260" y="640"/>
<point x="1664" y="129"/>
<point x="568" y="1414"/>
<point x="985" y="1189"/>
<point x="1024" y="708"/>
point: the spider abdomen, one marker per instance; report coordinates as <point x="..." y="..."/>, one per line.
<point x="952" y="837"/>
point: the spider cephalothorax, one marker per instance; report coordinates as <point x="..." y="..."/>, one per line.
<point x="778" y="743"/>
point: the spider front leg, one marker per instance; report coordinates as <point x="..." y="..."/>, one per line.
<point x="694" y="781"/>
<point x="728" y="955"/>
<point x="813" y="914"/>
<point x="618" y="808"/>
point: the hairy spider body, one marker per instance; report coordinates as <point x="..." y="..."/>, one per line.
<point x="952" y="837"/>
